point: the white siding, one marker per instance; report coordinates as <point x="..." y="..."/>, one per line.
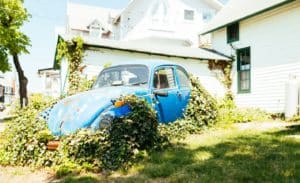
<point x="274" y="38"/>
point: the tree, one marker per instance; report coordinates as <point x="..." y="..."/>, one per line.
<point x="13" y="42"/>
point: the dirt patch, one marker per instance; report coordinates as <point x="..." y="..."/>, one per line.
<point x="24" y="175"/>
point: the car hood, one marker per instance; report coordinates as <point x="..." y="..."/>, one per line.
<point x="80" y="111"/>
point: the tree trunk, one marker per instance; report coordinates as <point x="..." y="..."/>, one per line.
<point x="23" y="81"/>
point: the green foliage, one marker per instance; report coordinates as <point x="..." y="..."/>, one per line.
<point x="26" y="136"/>
<point x="85" y="84"/>
<point x="85" y="147"/>
<point x="202" y="108"/>
<point x="12" y="40"/>
<point x="294" y="119"/>
<point x="200" y="113"/>
<point x="73" y="52"/>
<point x="230" y="113"/>
<point x="118" y="144"/>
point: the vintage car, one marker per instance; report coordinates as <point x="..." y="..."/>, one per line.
<point x="165" y="86"/>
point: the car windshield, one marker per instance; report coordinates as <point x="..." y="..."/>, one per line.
<point x="125" y="75"/>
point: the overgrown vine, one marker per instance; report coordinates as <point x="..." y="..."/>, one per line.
<point x="73" y="52"/>
<point x="225" y="79"/>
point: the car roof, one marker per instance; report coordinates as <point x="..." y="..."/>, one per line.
<point x="149" y="63"/>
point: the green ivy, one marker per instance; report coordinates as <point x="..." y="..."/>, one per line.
<point x="118" y="144"/>
<point x="201" y="112"/>
<point x="73" y="52"/>
<point x="26" y="136"/>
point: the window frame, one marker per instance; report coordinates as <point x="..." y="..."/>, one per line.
<point x="188" y="11"/>
<point x="174" y="77"/>
<point x="229" y="28"/>
<point x="240" y="70"/>
<point x="179" y="68"/>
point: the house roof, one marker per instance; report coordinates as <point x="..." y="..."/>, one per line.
<point x="237" y="10"/>
<point x="151" y="48"/>
<point x="81" y="16"/>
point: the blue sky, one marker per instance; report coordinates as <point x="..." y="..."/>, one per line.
<point x="46" y="15"/>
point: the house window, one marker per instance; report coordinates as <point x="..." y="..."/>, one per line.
<point x="95" y="31"/>
<point x="188" y="15"/>
<point x="233" y="32"/>
<point x="207" y="16"/>
<point x="244" y="70"/>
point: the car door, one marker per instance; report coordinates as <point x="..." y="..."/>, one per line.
<point x="184" y="91"/>
<point x="165" y="91"/>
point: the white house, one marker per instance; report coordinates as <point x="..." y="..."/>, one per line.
<point x="264" y="37"/>
<point x="144" y="30"/>
<point x="50" y="82"/>
<point x="160" y="21"/>
<point x="7" y="87"/>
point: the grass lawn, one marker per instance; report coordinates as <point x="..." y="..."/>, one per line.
<point x="227" y="155"/>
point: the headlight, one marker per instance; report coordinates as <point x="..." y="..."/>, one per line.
<point x="105" y="120"/>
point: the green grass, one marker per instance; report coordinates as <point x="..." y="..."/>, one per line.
<point x="228" y="155"/>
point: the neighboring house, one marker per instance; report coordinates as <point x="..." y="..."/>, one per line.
<point x="7" y="88"/>
<point x="264" y="37"/>
<point x="50" y="82"/>
<point x="161" y="21"/>
<point x="160" y="29"/>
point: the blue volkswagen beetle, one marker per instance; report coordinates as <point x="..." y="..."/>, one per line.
<point x="163" y="85"/>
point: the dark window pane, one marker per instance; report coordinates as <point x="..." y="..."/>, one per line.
<point x="164" y="78"/>
<point x="188" y="14"/>
<point x="233" y="32"/>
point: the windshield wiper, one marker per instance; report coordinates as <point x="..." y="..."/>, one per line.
<point x="139" y="83"/>
<point x="117" y="83"/>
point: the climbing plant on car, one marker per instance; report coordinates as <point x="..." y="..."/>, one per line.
<point x="73" y="52"/>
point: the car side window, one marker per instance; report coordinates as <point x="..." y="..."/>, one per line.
<point x="164" y="78"/>
<point x="183" y="78"/>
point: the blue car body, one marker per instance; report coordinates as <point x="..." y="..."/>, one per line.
<point x="95" y="108"/>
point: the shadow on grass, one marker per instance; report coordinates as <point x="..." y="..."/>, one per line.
<point x="78" y="179"/>
<point x="250" y="157"/>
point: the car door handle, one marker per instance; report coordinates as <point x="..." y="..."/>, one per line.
<point x="179" y="94"/>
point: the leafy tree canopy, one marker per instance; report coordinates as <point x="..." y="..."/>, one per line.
<point x="12" y="40"/>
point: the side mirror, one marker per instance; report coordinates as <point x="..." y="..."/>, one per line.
<point x="161" y="93"/>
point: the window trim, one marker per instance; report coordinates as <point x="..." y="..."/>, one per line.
<point x="184" y="15"/>
<point x="177" y="77"/>
<point x="238" y="32"/>
<point x="239" y="71"/>
<point x="174" y="76"/>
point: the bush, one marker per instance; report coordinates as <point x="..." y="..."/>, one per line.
<point x="116" y="145"/>
<point x="202" y="108"/>
<point x="200" y="113"/>
<point x="294" y="119"/>
<point x="26" y="136"/>
<point x="230" y="113"/>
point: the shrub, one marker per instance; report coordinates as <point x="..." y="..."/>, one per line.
<point x="200" y="113"/>
<point x="202" y="108"/>
<point x="116" y="145"/>
<point x="294" y="119"/>
<point x="230" y="113"/>
<point x="26" y="136"/>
